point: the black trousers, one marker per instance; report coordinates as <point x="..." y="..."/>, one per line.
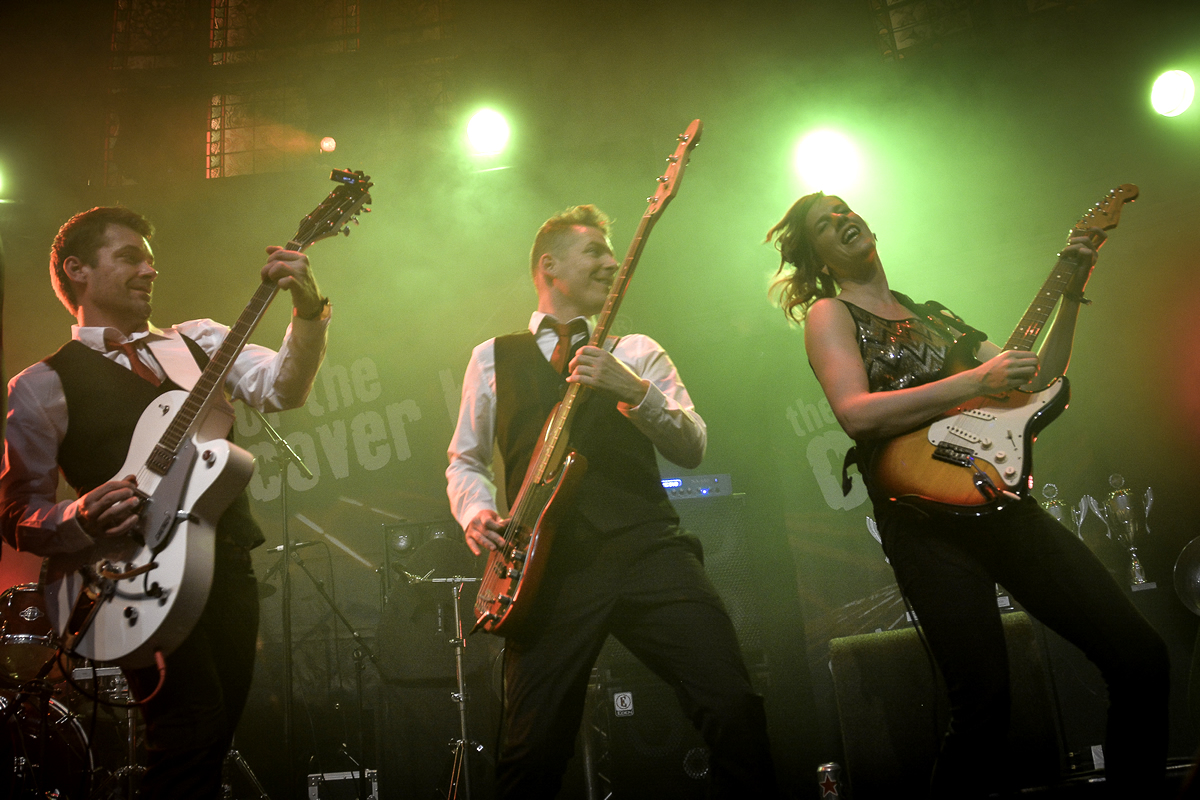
<point x="190" y="723"/>
<point x="646" y="586"/>
<point x="947" y="567"/>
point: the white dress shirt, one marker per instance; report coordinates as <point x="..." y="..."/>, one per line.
<point x="30" y="519"/>
<point x="665" y="416"/>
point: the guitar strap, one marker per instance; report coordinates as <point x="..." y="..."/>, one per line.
<point x="945" y="322"/>
<point x="939" y="316"/>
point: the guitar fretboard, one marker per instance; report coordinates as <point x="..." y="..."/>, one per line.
<point x="1034" y="320"/>
<point x="213" y="377"/>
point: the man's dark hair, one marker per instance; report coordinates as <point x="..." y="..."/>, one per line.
<point x="81" y="236"/>
<point x="550" y="235"/>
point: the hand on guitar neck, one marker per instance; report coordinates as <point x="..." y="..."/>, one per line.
<point x="1082" y="249"/>
<point x="289" y="269"/>
<point x="1012" y="369"/>
<point x="1055" y="352"/>
<point x="599" y="369"/>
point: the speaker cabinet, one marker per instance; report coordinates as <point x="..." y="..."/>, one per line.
<point x="893" y="711"/>
<point x="719" y="523"/>
<point x="653" y="749"/>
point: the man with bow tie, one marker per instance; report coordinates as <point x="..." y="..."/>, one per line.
<point x="76" y="411"/>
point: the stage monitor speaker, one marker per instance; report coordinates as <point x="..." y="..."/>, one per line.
<point x="893" y="711"/>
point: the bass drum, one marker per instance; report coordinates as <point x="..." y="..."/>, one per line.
<point x="49" y="753"/>
<point x="27" y="639"/>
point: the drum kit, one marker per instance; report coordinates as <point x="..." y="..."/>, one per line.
<point x="68" y="731"/>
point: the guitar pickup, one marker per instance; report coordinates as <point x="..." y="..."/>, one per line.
<point x="161" y="459"/>
<point x="954" y="454"/>
<point x="964" y="434"/>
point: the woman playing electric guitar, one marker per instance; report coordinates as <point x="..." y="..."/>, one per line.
<point x="881" y="361"/>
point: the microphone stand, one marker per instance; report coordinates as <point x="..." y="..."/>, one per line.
<point x="284" y="455"/>
<point x="362" y="654"/>
<point x="460" y="773"/>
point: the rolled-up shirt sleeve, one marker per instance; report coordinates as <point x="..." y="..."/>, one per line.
<point x="261" y="377"/>
<point x="470" y="483"/>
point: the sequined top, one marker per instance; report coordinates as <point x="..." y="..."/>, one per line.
<point x="898" y="354"/>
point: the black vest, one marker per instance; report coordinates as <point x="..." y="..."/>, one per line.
<point x="622" y="486"/>
<point x="104" y="402"/>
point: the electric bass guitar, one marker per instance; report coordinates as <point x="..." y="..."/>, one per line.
<point x="128" y="597"/>
<point x="515" y="570"/>
<point x="979" y="457"/>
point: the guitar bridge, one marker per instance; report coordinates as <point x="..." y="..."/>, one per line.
<point x="954" y="454"/>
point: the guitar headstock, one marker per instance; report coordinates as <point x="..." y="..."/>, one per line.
<point x="668" y="182"/>
<point x="336" y="211"/>
<point x="1107" y="213"/>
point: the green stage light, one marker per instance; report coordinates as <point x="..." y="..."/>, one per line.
<point x="487" y="133"/>
<point x="1172" y="93"/>
<point x="827" y="161"/>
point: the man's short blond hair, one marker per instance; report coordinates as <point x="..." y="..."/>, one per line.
<point x="550" y="236"/>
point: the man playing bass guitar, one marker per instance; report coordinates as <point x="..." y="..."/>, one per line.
<point x="879" y="360"/>
<point x="76" y="411"/>
<point x="620" y="563"/>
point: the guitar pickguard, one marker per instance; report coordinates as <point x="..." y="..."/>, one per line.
<point x="994" y="432"/>
<point x="965" y="463"/>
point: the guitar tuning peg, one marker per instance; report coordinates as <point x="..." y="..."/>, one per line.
<point x="346" y="231"/>
<point x="671" y="159"/>
<point x="663" y="179"/>
<point x="650" y="199"/>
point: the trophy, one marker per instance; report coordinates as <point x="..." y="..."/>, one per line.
<point x="1120" y="510"/>
<point x="873" y="529"/>
<point x="1052" y="504"/>
<point x="1080" y="512"/>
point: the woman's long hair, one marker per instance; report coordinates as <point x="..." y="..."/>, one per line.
<point x="800" y="280"/>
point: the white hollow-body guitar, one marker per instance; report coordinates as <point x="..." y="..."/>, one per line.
<point x="130" y="596"/>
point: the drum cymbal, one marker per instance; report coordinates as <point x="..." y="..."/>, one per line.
<point x="1187" y="576"/>
<point x="265" y="589"/>
<point x="445" y="557"/>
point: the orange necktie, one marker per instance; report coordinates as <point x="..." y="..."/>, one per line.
<point x="562" y="351"/>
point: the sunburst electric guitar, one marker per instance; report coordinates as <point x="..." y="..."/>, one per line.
<point x="130" y="596"/>
<point x="980" y="456"/>
<point x="515" y="570"/>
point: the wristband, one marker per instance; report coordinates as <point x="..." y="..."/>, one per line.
<point x="320" y="311"/>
